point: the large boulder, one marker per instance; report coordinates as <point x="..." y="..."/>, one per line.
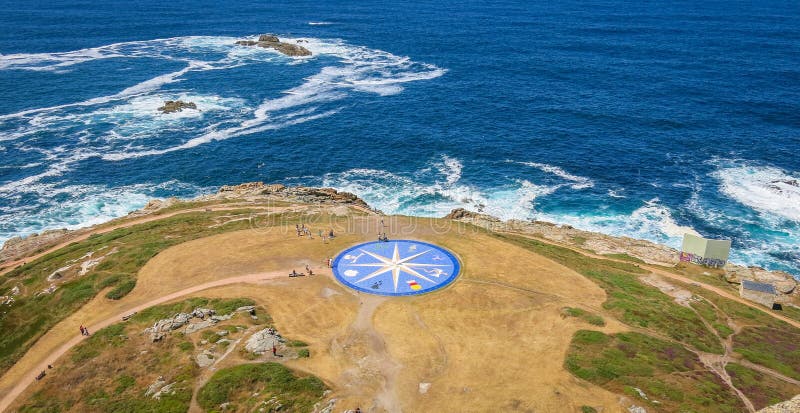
<point x="261" y="341"/>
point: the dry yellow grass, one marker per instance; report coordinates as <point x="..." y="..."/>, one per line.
<point x="494" y="340"/>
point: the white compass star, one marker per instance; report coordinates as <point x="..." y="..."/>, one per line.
<point x="396" y="265"/>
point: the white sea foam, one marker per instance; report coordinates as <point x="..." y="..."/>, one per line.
<point x="578" y="182"/>
<point x="437" y="189"/>
<point x="363" y="70"/>
<point x="766" y="189"/>
<point x="83" y="205"/>
<point x="319" y="23"/>
<point x="651" y="221"/>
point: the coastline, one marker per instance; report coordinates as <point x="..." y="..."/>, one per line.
<point x="17" y="248"/>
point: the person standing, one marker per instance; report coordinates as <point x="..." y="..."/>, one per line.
<point x="274" y="350"/>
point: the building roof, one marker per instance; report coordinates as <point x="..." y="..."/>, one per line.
<point x="760" y="287"/>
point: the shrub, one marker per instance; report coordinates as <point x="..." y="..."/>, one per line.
<point x="121" y="290"/>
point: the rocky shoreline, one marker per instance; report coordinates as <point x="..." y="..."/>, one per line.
<point x="602" y="244"/>
<point x="254" y="192"/>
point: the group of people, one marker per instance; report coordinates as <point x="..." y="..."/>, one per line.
<point x="300" y="274"/>
<point x="304" y="231"/>
<point x="84" y="331"/>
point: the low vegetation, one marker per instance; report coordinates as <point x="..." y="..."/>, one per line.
<point x="777" y="349"/>
<point x="250" y="387"/>
<point x="668" y="376"/>
<point x="33" y="313"/>
<point x="712" y="316"/>
<point x="111" y="370"/>
<point x="762" y="390"/>
<point x="584" y="315"/>
<point x="630" y="300"/>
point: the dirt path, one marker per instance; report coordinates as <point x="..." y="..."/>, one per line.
<point x="45" y="359"/>
<point x="671" y="275"/>
<point x="386" y="398"/>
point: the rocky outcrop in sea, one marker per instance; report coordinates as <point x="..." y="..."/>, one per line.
<point x="272" y="42"/>
<point x="172" y="106"/>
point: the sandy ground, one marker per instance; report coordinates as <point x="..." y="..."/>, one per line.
<point x="494" y="340"/>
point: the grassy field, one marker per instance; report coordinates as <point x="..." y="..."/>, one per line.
<point x="31" y="315"/>
<point x="584" y="315"/>
<point x="630" y="300"/>
<point x="763" y="390"/>
<point x="268" y="386"/>
<point x="777" y="349"/>
<point x="111" y="369"/>
<point x="671" y="378"/>
<point x="713" y="317"/>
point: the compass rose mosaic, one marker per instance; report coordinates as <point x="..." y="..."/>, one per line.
<point x="400" y="267"/>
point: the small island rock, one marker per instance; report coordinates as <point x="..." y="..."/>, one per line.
<point x="171" y="106"/>
<point x="272" y="42"/>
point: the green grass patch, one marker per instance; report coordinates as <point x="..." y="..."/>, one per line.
<point x="763" y="390"/>
<point x="303" y="353"/>
<point x="665" y="371"/>
<point x="633" y="302"/>
<point x="121" y="290"/>
<point x="624" y="257"/>
<point x="712" y="316"/>
<point x="296" y="343"/>
<point x="124" y="382"/>
<point x="777" y="349"/>
<point x="236" y="385"/>
<point x="210" y="336"/>
<point x="109" y="281"/>
<point x="220" y="305"/>
<point x="584" y="315"/>
<point x="791" y="312"/>
<point x="29" y="317"/>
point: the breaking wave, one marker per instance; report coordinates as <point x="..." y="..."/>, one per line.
<point x="766" y="189"/>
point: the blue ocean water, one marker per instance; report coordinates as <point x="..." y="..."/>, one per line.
<point x="644" y="120"/>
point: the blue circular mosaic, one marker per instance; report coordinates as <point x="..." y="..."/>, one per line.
<point x="400" y="267"/>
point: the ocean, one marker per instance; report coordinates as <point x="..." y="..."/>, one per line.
<point x="628" y="118"/>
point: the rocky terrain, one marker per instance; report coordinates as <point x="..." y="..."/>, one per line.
<point x="272" y="42"/>
<point x="602" y="244"/>
<point x="171" y="106"/>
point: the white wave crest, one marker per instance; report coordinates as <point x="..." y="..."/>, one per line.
<point x="80" y="206"/>
<point x="578" y="182"/>
<point x="436" y="190"/>
<point x="764" y="188"/>
<point x="651" y="221"/>
<point x="362" y="70"/>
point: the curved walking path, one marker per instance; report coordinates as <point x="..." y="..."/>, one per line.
<point x="41" y="359"/>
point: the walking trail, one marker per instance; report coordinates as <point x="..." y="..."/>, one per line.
<point x="43" y="359"/>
